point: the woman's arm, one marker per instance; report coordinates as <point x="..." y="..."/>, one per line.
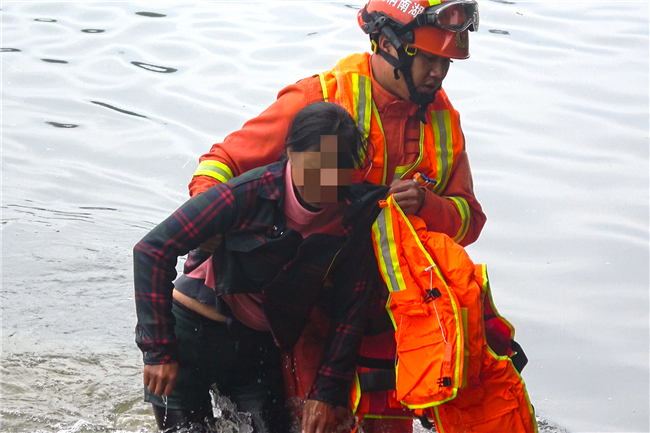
<point x="354" y="281"/>
<point x="154" y="267"/>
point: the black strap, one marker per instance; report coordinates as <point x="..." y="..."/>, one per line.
<point x="425" y="422"/>
<point x="519" y="359"/>
<point x="381" y="380"/>
<point x="376" y="363"/>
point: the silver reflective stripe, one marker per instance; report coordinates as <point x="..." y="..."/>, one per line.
<point x="364" y="99"/>
<point x="463" y="209"/>
<point x="385" y="251"/>
<point x="444" y="149"/>
<point x="215" y="169"/>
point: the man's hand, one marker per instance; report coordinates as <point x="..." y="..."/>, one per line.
<point x="317" y="417"/>
<point x="160" y="378"/>
<point x="408" y="195"/>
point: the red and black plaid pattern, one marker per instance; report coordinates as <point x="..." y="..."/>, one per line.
<point x="257" y="255"/>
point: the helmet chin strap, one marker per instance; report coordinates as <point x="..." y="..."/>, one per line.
<point x="403" y="64"/>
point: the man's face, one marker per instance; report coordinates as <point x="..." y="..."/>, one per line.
<point x="317" y="175"/>
<point x="428" y="72"/>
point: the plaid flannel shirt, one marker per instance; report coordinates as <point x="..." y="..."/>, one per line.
<point x="258" y="255"/>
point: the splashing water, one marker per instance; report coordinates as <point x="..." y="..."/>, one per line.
<point x="226" y="417"/>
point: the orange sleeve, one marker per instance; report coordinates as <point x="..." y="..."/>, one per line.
<point x="456" y="212"/>
<point x="259" y="142"/>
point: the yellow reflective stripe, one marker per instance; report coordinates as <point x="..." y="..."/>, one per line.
<point x="357" y="396"/>
<point x="457" y="314"/>
<point x="390" y="311"/>
<point x="439" y="426"/>
<point x="323" y="85"/>
<point x="465" y="215"/>
<point x="444" y="148"/>
<point x="381" y="128"/>
<point x="421" y="152"/>
<point x="214" y="169"/>
<point x="463" y="311"/>
<point x="485" y="286"/>
<point x="362" y="97"/>
<point x="388" y="261"/>
<point x="362" y="94"/>
<point x="494" y="308"/>
<point x="400" y="171"/>
<point x="434" y="2"/>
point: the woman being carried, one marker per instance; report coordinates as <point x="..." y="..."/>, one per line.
<point x="286" y="228"/>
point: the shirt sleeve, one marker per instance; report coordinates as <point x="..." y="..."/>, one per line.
<point x="154" y="267"/>
<point x="259" y="142"/>
<point x="455" y="212"/>
<point x="351" y="299"/>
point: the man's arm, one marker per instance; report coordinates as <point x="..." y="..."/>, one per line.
<point x="456" y="212"/>
<point x="259" y="142"/>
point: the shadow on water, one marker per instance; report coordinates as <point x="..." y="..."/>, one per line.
<point x="154" y="68"/>
<point x="62" y="125"/>
<point x="151" y="14"/>
<point x="54" y="61"/>
<point x="119" y="110"/>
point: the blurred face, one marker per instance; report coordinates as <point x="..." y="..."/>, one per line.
<point x="316" y="174"/>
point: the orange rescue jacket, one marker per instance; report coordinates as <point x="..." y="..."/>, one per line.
<point x="444" y="368"/>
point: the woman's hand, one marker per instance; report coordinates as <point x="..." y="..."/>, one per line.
<point x="160" y="378"/>
<point x="318" y="417"/>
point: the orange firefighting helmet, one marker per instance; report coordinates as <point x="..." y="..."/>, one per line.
<point x="439" y="27"/>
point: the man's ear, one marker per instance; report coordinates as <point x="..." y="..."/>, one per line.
<point x="385" y="45"/>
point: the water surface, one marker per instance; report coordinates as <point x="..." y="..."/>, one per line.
<point x="107" y="106"/>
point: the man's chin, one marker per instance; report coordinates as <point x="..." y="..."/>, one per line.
<point x="428" y="90"/>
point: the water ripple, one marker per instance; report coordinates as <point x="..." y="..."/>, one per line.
<point x="154" y="68"/>
<point x="150" y="14"/>
<point x="119" y="110"/>
<point x="62" y="125"/>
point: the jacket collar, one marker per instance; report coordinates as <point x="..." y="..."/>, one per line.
<point x="363" y="197"/>
<point x="272" y="182"/>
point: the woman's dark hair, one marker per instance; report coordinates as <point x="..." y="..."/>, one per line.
<point x="326" y="118"/>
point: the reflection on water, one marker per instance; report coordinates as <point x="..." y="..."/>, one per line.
<point x="119" y="110"/>
<point x="154" y="68"/>
<point x="62" y="125"/>
<point x="150" y="14"/>
<point x="96" y="153"/>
